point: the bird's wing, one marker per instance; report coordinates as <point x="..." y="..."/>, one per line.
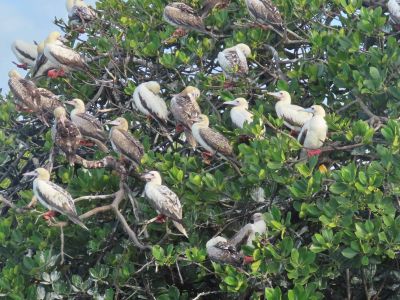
<point x="184" y="109"/>
<point x="65" y="56"/>
<point x="303" y="133"/>
<point x="264" y="11"/>
<point x="127" y="145"/>
<point x="183" y="15"/>
<point x="294" y="115"/>
<point x="48" y="100"/>
<point x="241" y="236"/>
<point x="39" y="62"/>
<point x="237" y="62"/>
<point x="25" y="91"/>
<point x="155" y="105"/>
<point x="169" y="204"/>
<point x="67" y="137"/>
<point x="82" y="14"/>
<point x="216" y="140"/>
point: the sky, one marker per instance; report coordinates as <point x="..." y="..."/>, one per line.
<point x="26" y="20"/>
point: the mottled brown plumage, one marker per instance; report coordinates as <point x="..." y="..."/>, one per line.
<point x="26" y="94"/>
<point x="48" y="101"/>
<point x="264" y="12"/>
<point x="209" y="5"/>
<point x="221" y="251"/>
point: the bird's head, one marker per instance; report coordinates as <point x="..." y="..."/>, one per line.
<point x="316" y="110"/>
<point x="152" y="176"/>
<point x="153" y="86"/>
<point x="40" y="47"/>
<point x="257" y="217"/>
<point x="244" y="48"/>
<point x="14" y="73"/>
<point x="201" y="119"/>
<point x="192" y="92"/>
<point x="120" y="123"/>
<point x="69" y="4"/>
<point x="78" y="104"/>
<point x="40" y="173"/>
<point x="60" y="114"/>
<point x="281" y="96"/>
<point x="212" y="242"/>
<point x="241" y="102"/>
<point x="54" y="37"/>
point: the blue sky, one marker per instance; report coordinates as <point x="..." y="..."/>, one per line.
<point x="26" y="20"/>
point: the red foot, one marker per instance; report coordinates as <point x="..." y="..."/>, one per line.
<point x="55" y="73"/>
<point x="50" y="214"/>
<point x="160" y="219"/>
<point x="179" y="128"/>
<point x="313" y="152"/>
<point x="248" y="260"/>
<point x="179" y="32"/>
<point x="24" y="109"/>
<point x="207" y="156"/>
<point x="228" y="84"/>
<point x="294" y="133"/>
<point x="21" y="66"/>
<point x="86" y="143"/>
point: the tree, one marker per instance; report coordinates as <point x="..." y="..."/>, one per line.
<point x="333" y="225"/>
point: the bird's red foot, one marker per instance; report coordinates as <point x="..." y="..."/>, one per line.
<point x="50" y="214"/>
<point x="179" y="32"/>
<point x="228" y="84"/>
<point x="86" y="143"/>
<point x="23" y="109"/>
<point x="21" y="66"/>
<point x="207" y="156"/>
<point x="179" y="128"/>
<point x="160" y="219"/>
<point x="248" y="260"/>
<point x="294" y="133"/>
<point x="55" y="73"/>
<point x="313" y="152"/>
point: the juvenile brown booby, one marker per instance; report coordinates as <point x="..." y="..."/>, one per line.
<point x="314" y="131"/>
<point x="125" y="143"/>
<point x="264" y="12"/>
<point x="79" y="12"/>
<point x="221" y="251"/>
<point x="209" y="5"/>
<point x="88" y="125"/>
<point x="294" y="116"/>
<point x="184" y="108"/>
<point x="146" y="99"/>
<point x="25" y="92"/>
<point x="66" y="134"/>
<point x="233" y="61"/>
<point x="165" y="201"/>
<point x="239" y="113"/>
<point x="25" y="53"/>
<point x="54" y="197"/>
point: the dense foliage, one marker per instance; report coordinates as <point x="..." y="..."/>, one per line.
<point x="333" y="221"/>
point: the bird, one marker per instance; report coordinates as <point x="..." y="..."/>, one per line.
<point x="47" y="103"/>
<point x="294" y="116"/>
<point x="184" y="107"/>
<point x="247" y="234"/>
<point x="125" y="143"/>
<point x="209" y="5"/>
<point x="79" y="12"/>
<point x="88" y="125"/>
<point x="25" y="53"/>
<point x="314" y="132"/>
<point x="219" y="250"/>
<point x="147" y="100"/>
<point x="53" y="197"/>
<point x="233" y="61"/>
<point x="394" y="12"/>
<point x="211" y="140"/>
<point x="184" y="17"/>
<point x="66" y="134"/>
<point x="65" y="58"/>
<point x="239" y="113"/>
<point x="165" y="201"/>
<point x="264" y="12"/>
<point x="25" y="92"/>
<point x="42" y="64"/>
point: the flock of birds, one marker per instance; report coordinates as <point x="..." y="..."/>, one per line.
<point x="53" y="58"/>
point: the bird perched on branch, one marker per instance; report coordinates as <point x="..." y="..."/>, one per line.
<point x="25" y="53"/>
<point x="25" y="92"/>
<point x="53" y="197"/>
<point x="165" y="201"/>
<point x="65" y="58"/>
<point x="125" y="143"/>
<point x="314" y="132"/>
<point x="209" y="5"/>
<point x="221" y="251"/>
<point x="394" y="13"/>
<point x="233" y="61"/>
<point x="247" y="234"/>
<point x="264" y="12"/>
<point x="47" y="103"/>
<point x="146" y="99"/>
<point x="184" y="108"/>
<point x="239" y="113"/>
<point x="294" y="116"/>
<point x="88" y="125"/>
<point x="42" y="64"/>
<point x="66" y="134"/>
<point x="79" y="12"/>
<point x="184" y="17"/>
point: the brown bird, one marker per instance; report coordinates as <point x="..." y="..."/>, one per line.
<point x="25" y="92"/>
<point x="124" y="143"/>
<point x="66" y="134"/>
<point x="184" y="108"/>
<point x="233" y="60"/>
<point x="48" y="101"/>
<point x="209" y="5"/>
<point x="88" y="125"/>
<point x="264" y="12"/>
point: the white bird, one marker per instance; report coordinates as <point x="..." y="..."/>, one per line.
<point x="248" y="233"/>
<point x="42" y="64"/>
<point x="79" y="12"/>
<point x="394" y="11"/>
<point x="165" y="201"/>
<point x="239" y="113"/>
<point x="220" y="250"/>
<point x="147" y="100"/>
<point x="294" y="116"/>
<point x="25" y="53"/>
<point x="54" y="197"/>
<point x="233" y="61"/>
<point x="314" y="132"/>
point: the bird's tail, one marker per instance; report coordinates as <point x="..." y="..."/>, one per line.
<point x="77" y="221"/>
<point x="180" y="227"/>
<point x="190" y="138"/>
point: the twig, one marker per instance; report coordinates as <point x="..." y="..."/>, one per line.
<point x="179" y="272"/>
<point x="348" y="284"/>
<point x="94" y="197"/>
<point x="205" y="294"/>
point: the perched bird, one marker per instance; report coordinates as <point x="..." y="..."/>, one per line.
<point x="25" y="53"/>
<point x="64" y="57"/>
<point x="394" y="12"/>
<point x="184" y="17"/>
<point x="42" y="64"/>
<point x="123" y="142"/>
<point x="147" y="100"/>
<point x="233" y="61"/>
<point x="264" y="12"/>
<point x="239" y="113"/>
<point x="25" y="92"/>
<point x="247" y="234"/>
<point x="221" y="251"/>
<point x="88" y="125"/>
<point x="79" y="12"/>
<point x="211" y="140"/>
<point x="294" y="116"/>
<point x="209" y="5"/>
<point x="165" y="201"/>
<point x="314" y="132"/>
<point x="54" y="197"/>
<point x="47" y="103"/>
<point x="184" y="108"/>
<point x="66" y="134"/>
<point x="375" y="4"/>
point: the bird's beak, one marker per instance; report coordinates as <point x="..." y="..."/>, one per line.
<point x="233" y="102"/>
<point x="32" y="173"/>
<point x="310" y="110"/>
<point x="70" y="102"/>
<point x="36" y="43"/>
<point x="275" y="95"/>
<point x="115" y="123"/>
<point x="145" y="176"/>
<point x="63" y="39"/>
